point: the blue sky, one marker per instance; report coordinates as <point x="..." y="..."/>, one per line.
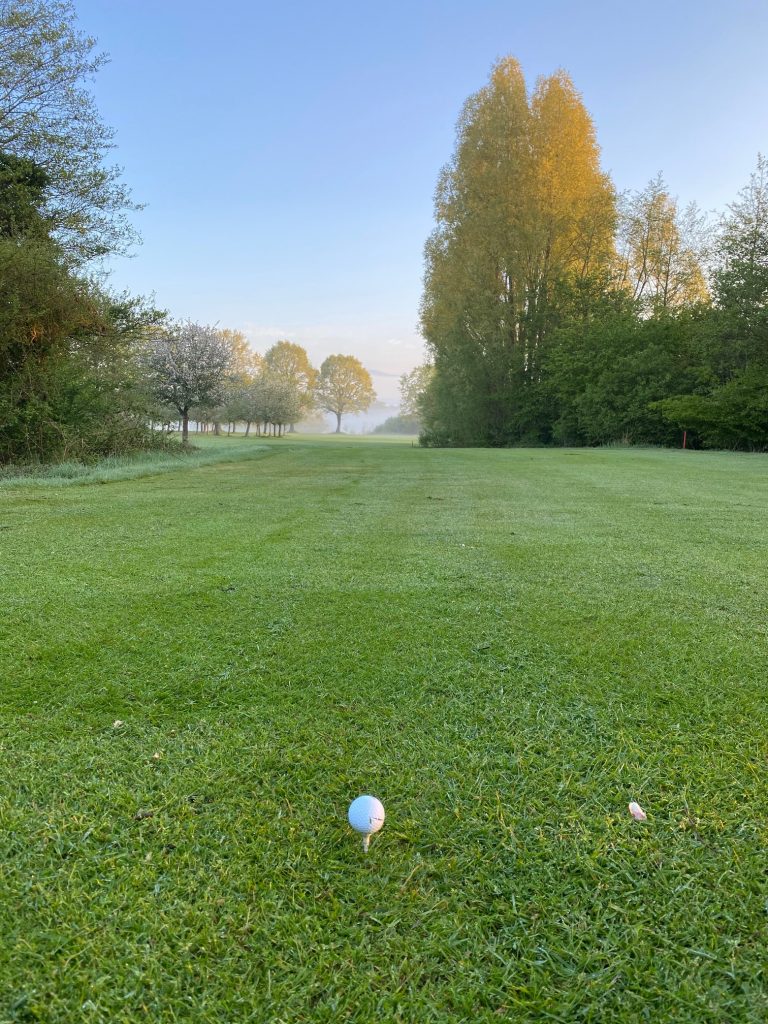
<point x="288" y="153"/>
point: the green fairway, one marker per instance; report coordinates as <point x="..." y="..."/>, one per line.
<point x="504" y="646"/>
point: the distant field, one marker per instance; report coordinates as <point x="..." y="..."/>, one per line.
<point x="505" y="646"/>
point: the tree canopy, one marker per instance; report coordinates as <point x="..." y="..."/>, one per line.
<point x="524" y="213"/>
<point x="47" y="116"/>
<point x="187" y="365"/>
<point x="555" y="311"/>
<point x="287" y="364"/>
<point x="343" y="386"/>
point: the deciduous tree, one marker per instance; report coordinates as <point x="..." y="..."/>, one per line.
<point x="68" y="386"/>
<point x="661" y="249"/>
<point x="413" y="387"/>
<point x="289" y="364"/>
<point x="47" y="115"/>
<point x="344" y="385"/>
<point x="188" y="365"/>
<point x="741" y="274"/>
<point x="523" y="211"/>
<point x="732" y="411"/>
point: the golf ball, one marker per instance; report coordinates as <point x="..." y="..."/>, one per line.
<point x="366" y="815"/>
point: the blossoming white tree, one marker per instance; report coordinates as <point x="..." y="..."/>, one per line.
<point x="187" y="365"/>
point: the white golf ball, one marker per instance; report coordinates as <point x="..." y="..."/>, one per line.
<point x="366" y="815"/>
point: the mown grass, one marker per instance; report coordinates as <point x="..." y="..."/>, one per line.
<point x="505" y="646"/>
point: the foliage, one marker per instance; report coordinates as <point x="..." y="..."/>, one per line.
<point x="603" y="380"/>
<point x="730" y="408"/>
<point x="343" y="385"/>
<point x="69" y="386"/>
<point x="188" y="365"/>
<point x="288" y="363"/>
<point x="741" y="279"/>
<point x="661" y="250"/>
<point x="506" y="647"/>
<point x="68" y="378"/>
<point x="402" y="424"/>
<point x="733" y="415"/>
<point x="47" y="116"/>
<point x="23" y="186"/>
<point x="522" y="209"/>
<point x="413" y="388"/>
<point x="245" y="364"/>
<point x="551" y="319"/>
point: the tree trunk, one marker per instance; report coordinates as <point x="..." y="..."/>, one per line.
<point x="247" y="427"/>
<point x="338" y="422"/>
<point x="185" y="427"/>
<point x="217" y="428"/>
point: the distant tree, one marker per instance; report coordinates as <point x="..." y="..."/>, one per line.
<point x="413" y="387"/>
<point x="268" y="402"/>
<point x="246" y="363"/>
<point x="344" y="385"/>
<point x="244" y="371"/>
<point x="162" y="416"/>
<point x="741" y="274"/>
<point x="188" y="365"/>
<point x="398" y="425"/>
<point x="730" y="410"/>
<point x="661" y="250"/>
<point x="289" y="363"/>
<point x="47" y="116"/>
<point x="280" y="403"/>
<point x="234" y="408"/>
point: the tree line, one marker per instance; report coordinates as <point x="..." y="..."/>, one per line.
<point x="191" y="369"/>
<point x="85" y="372"/>
<point x="558" y="311"/>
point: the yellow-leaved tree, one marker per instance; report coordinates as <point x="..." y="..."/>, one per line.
<point x="525" y="218"/>
<point x="288" y="365"/>
<point x="662" y="249"/>
<point x="344" y="385"/>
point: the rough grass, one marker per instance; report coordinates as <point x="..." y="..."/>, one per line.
<point x="505" y="646"/>
<point x="130" y="467"/>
